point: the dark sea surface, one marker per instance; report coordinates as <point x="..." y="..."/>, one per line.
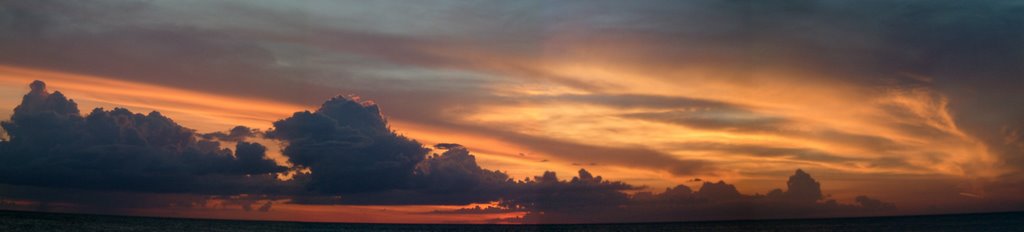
<point x="30" y="221"/>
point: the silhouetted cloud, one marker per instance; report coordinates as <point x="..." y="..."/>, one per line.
<point x="52" y="145"/>
<point x="801" y="187"/>
<point x="455" y="178"/>
<point x="450" y="178"/>
<point x="873" y="204"/>
<point x="348" y="147"/>
<point x="588" y="199"/>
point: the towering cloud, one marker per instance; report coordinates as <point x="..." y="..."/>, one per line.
<point x="348" y="147"/>
<point x="801" y="187"/>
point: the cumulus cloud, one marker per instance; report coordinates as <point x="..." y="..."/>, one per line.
<point x="801" y="187"/>
<point x="455" y="175"/>
<point x="52" y="145"/>
<point x="546" y="193"/>
<point x="589" y="199"/>
<point x="351" y="154"/>
<point x="348" y="147"/>
<point x="449" y="178"/>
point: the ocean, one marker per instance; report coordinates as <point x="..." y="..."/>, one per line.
<point x="13" y="221"/>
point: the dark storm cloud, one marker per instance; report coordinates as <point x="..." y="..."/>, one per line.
<point x="52" y="145"/>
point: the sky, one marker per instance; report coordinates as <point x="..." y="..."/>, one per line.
<point x="512" y="112"/>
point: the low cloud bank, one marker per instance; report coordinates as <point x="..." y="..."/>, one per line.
<point x="344" y="153"/>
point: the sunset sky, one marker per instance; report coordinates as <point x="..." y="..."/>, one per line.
<point x="917" y="104"/>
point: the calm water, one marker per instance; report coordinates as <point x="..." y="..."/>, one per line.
<point x="23" y="221"/>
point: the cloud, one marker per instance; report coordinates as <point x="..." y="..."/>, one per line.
<point x="720" y="191"/>
<point x="252" y="159"/>
<point x="348" y="148"/>
<point x="52" y="145"/>
<point x="638" y="156"/>
<point x="236" y="134"/>
<point x="874" y="204"/>
<point x="801" y="187"/>
<point x="450" y="178"/>
<point x="547" y="193"/>
<point x="634" y="101"/>
<point x="457" y="177"/>
<point x="172" y="54"/>
<point x="716" y="119"/>
<point x="764" y="151"/>
<point x="588" y="199"/>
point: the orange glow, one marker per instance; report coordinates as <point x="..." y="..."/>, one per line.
<point x="812" y="109"/>
<point x="201" y="111"/>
